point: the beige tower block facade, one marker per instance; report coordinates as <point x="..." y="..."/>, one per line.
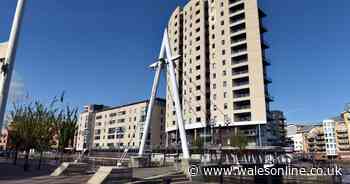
<point x="175" y="39"/>
<point x="122" y="126"/>
<point x="223" y="73"/>
<point x="3" y="50"/>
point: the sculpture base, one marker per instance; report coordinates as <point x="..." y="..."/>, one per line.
<point x="139" y="162"/>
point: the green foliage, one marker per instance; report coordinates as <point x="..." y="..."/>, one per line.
<point x="239" y="140"/>
<point x="198" y="144"/>
<point x="35" y="125"/>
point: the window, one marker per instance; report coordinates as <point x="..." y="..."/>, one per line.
<point x="198" y="108"/>
<point x="225" y="94"/>
<point x="112" y="114"/>
<point x="198" y="29"/>
<point x="222" y="31"/>
<point x="111" y="130"/>
<point x="198" y="38"/>
<point x="214" y="75"/>
<point x="223" y="52"/>
<point x="198" y="48"/>
<point x="198" y="67"/>
<point x="222" y="42"/>
<point x="198" y="119"/>
<point x="110" y="136"/>
<point x="225" y="105"/>
<point x="214" y="86"/>
<point x="198" y="87"/>
<point x="197" y="12"/>
<point x="198" y="77"/>
<point x="198" y="98"/>
<point x="223" y="62"/>
<point x="224" y="73"/>
<point x="222" y="23"/>
<point x="121" y="120"/>
<point x="198" y="58"/>
<point x="222" y="13"/>
<point x="198" y="20"/>
<point x="224" y="84"/>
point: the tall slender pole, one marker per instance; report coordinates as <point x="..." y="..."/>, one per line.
<point x="8" y="64"/>
<point x="150" y="108"/>
<point x="175" y="91"/>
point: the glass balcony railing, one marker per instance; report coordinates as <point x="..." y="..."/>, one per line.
<point x="235" y="62"/>
<point x="241" y="95"/>
<point x="237" y="84"/>
<point x="241" y="107"/>
<point x="239" y="72"/>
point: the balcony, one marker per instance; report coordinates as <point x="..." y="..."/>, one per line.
<point x="234" y="2"/>
<point x="237" y="19"/>
<point x="241" y="117"/>
<point x="239" y="72"/>
<point x="239" y="49"/>
<point x="241" y="95"/>
<point x="237" y="28"/>
<point x="239" y="61"/>
<point x="236" y="8"/>
<point x="342" y="136"/>
<point x="249" y="133"/>
<point x="262" y="14"/>
<point x="262" y="29"/>
<point x="242" y="105"/>
<point x="267" y="80"/>
<point x="264" y="44"/>
<point x="266" y="62"/>
<point x="235" y="40"/>
<point x="269" y="98"/>
<point x="342" y="131"/>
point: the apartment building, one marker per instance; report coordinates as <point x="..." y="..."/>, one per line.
<point x="120" y="127"/>
<point x="222" y="75"/>
<point x="86" y="124"/>
<point x="3" y="139"/>
<point x="298" y="135"/>
<point x="329" y="140"/>
<point x="278" y="122"/>
<point x="3" y="50"/>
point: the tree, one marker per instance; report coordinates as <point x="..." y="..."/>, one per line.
<point x="239" y="140"/>
<point x="198" y="144"/>
<point x="45" y="118"/>
<point x="67" y="126"/>
<point x="23" y="128"/>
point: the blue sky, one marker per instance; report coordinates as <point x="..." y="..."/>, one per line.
<point x="98" y="51"/>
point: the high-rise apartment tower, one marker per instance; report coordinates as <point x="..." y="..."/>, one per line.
<point x="222" y="73"/>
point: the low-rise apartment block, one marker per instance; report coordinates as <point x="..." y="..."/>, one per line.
<point x="322" y="141"/>
<point x="3" y="139"/>
<point x="121" y="126"/>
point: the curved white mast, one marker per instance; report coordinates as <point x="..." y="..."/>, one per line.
<point x="166" y="61"/>
<point x="8" y="64"/>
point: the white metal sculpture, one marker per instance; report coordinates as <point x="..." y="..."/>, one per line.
<point x="9" y="60"/>
<point x="165" y="61"/>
